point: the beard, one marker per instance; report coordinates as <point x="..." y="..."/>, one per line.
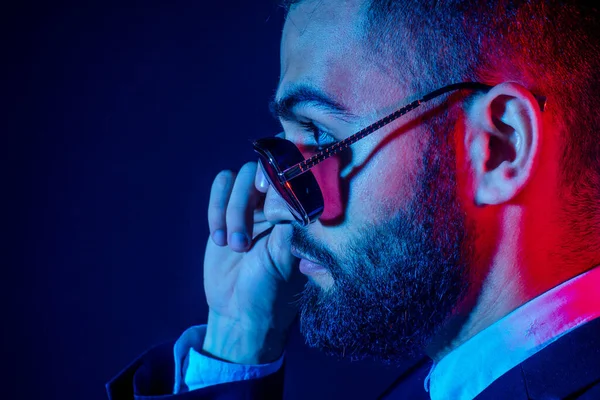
<point x="397" y="281"/>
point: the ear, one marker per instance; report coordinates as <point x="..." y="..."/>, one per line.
<point x="503" y="142"/>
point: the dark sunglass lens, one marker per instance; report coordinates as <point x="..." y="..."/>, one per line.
<point x="307" y="191"/>
<point x="284" y="192"/>
<point x="302" y="194"/>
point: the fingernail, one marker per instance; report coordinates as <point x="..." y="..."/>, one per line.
<point x="219" y="237"/>
<point x="239" y="240"/>
<point x="263" y="184"/>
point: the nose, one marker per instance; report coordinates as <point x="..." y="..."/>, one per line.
<point x="275" y="208"/>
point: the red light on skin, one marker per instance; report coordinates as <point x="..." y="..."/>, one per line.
<point x="328" y="176"/>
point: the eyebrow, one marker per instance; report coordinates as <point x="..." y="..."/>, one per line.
<point x="305" y="95"/>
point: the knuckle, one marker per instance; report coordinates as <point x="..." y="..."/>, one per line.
<point x="216" y="216"/>
<point x="216" y="223"/>
<point x="235" y="210"/>
<point x="215" y="211"/>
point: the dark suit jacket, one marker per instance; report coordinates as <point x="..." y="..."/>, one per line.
<point x="567" y="369"/>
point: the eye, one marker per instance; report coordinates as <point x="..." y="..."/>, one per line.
<point x="322" y="138"/>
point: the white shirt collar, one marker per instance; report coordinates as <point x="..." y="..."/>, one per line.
<point x="470" y="368"/>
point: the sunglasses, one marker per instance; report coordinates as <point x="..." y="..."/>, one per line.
<point x="289" y="173"/>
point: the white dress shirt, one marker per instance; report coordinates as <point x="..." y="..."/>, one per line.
<point x="470" y="368"/>
<point x="463" y="373"/>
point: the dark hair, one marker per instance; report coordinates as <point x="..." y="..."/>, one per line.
<point x="552" y="47"/>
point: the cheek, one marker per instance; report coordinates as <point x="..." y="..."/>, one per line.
<point x="368" y="193"/>
<point x="389" y="182"/>
<point x="334" y="192"/>
<point x="377" y="185"/>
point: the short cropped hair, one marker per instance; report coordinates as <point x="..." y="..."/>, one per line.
<point x="552" y="47"/>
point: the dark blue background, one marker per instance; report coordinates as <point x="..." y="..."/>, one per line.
<point x="116" y="121"/>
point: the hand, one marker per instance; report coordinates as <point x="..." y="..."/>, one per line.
<point x="251" y="279"/>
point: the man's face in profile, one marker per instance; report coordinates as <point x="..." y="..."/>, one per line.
<point x="393" y="236"/>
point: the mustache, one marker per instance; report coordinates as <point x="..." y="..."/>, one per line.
<point x="314" y="250"/>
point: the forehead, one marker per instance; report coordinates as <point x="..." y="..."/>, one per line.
<point x="336" y="25"/>
<point x="323" y="46"/>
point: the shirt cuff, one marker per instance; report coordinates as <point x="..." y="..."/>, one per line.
<point x="194" y="370"/>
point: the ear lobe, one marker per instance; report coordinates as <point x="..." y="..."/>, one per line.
<point x="504" y="142"/>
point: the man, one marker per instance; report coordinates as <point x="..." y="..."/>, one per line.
<point x="466" y="225"/>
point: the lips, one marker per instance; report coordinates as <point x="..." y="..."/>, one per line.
<point x="311" y="268"/>
<point x="307" y="266"/>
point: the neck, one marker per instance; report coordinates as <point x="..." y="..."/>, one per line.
<point x="525" y="263"/>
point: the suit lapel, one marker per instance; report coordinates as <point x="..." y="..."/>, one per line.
<point x="565" y="369"/>
<point x="410" y="385"/>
